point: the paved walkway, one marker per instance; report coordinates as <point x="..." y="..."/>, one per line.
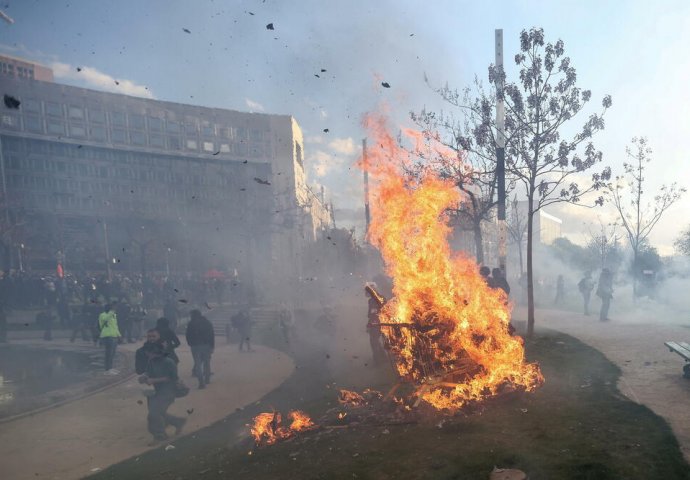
<point x="651" y="375"/>
<point x="81" y="437"/>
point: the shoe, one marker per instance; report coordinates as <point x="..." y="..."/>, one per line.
<point x="178" y="428"/>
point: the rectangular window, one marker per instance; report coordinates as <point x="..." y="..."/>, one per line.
<point x="117" y="118"/>
<point x="224" y="132"/>
<point x="98" y="133"/>
<point x="31" y="105"/>
<point x="56" y="127"/>
<point x="192" y="144"/>
<point x="118" y="136"/>
<point x="96" y="116"/>
<point x="156" y="141"/>
<point x="208" y="130"/>
<point x="174" y="143"/>
<point x="76" y="112"/>
<point x="10" y="121"/>
<point x="190" y="127"/>
<point x="224" y="148"/>
<point x="77" y="131"/>
<point x="155" y="124"/>
<point x="33" y="124"/>
<point x="136" y="121"/>
<point x="173" y="127"/>
<point x="208" y="146"/>
<point x="54" y="109"/>
<point x="138" y="138"/>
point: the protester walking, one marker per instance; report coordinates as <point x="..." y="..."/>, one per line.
<point x="243" y="323"/>
<point x="560" y="290"/>
<point x="586" y="285"/>
<point x="110" y="335"/>
<point x="161" y="373"/>
<point x="497" y="280"/>
<point x="605" y="292"/>
<point x="141" y="360"/>
<point x="201" y="339"/>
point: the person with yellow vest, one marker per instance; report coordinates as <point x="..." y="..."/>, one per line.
<point x="110" y="335"/>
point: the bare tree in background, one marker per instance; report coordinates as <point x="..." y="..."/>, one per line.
<point x="538" y="107"/>
<point x="682" y="243"/>
<point x="638" y="214"/>
<point x="517" y="230"/>
<point x="603" y="242"/>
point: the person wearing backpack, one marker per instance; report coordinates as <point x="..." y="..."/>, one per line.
<point x="161" y="373"/>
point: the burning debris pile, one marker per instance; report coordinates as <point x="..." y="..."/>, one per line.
<point x="446" y="331"/>
<point x="268" y="427"/>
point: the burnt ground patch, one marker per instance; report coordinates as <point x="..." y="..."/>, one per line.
<point x="576" y="426"/>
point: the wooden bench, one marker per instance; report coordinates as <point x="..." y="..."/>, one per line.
<point x="682" y="349"/>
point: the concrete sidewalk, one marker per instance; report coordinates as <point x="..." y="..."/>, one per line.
<point x="86" y="435"/>
<point x="651" y="375"/>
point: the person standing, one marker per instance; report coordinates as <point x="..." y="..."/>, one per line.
<point x="124" y="319"/>
<point x="161" y="373"/>
<point x="605" y="292"/>
<point x="201" y="339"/>
<point x="243" y="323"/>
<point x="171" y="312"/>
<point x="110" y="335"/>
<point x="586" y="285"/>
<point x="497" y="280"/>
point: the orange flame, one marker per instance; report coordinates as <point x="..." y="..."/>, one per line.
<point x="451" y="323"/>
<point x="268" y="427"/>
<point x="348" y="397"/>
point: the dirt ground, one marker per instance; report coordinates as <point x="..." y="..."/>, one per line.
<point x="87" y="435"/>
<point x="651" y="375"/>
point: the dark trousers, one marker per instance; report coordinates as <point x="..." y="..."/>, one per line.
<point x="244" y="339"/>
<point x="202" y="363"/>
<point x="586" y="297"/>
<point x="158" y="417"/>
<point x="110" y="344"/>
<point x="604" y="313"/>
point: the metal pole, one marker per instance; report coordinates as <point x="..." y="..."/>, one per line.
<point x="107" y="250"/>
<point x="500" y="155"/>
<point x="365" y="164"/>
<point x="6" y="205"/>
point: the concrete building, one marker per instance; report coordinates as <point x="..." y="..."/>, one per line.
<point x="162" y="186"/>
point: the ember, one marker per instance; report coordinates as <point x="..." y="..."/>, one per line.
<point x="347" y="397"/>
<point x="445" y="329"/>
<point x="268" y="427"/>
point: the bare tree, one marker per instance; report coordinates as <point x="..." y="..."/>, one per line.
<point x="638" y="213"/>
<point x="682" y="243"/>
<point x="517" y="230"/>
<point x="603" y="242"/>
<point x="544" y="100"/>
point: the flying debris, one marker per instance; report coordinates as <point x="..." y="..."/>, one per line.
<point x="270" y="27"/>
<point x="262" y="182"/>
<point x="251" y="13"/>
<point x="116" y="82"/>
<point x="323" y="70"/>
<point x="385" y="85"/>
<point x="216" y="153"/>
<point x="186" y="30"/>
<point x="11" y="102"/>
<point x="78" y="69"/>
<point x="325" y="130"/>
<point x="317" y="75"/>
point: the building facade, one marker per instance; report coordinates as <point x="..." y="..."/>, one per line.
<point x="151" y="185"/>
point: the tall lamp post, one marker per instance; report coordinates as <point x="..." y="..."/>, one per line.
<point x="500" y="155"/>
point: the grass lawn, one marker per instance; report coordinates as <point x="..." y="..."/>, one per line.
<point x="577" y="426"/>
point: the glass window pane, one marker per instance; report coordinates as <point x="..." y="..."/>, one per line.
<point x="156" y="141"/>
<point x="31" y="105"/>
<point x="54" y="109"/>
<point x="136" y="121"/>
<point x="77" y="131"/>
<point x="191" y="144"/>
<point x="118" y="136"/>
<point x="98" y="133"/>
<point x="117" y="118"/>
<point x="33" y="124"/>
<point x="56" y="127"/>
<point x="173" y="127"/>
<point x="224" y="148"/>
<point x="97" y="116"/>
<point x="155" y="124"/>
<point x="138" y="138"/>
<point x="208" y="146"/>
<point x="76" y="112"/>
<point x="174" y="143"/>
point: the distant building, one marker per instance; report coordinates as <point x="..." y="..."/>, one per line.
<point x="24" y="69"/>
<point x="168" y="186"/>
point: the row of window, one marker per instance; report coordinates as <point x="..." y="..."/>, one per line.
<point x="22" y="72"/>
<point x="135" y="121"/>
<point x="57" y="127"/>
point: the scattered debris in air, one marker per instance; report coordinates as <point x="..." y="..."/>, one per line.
<point x="261" y="182"/>
<point x="185" y="30"/>
<point x="11" y="102"/>
<point x="325" y="130"/>
<point x="270" y="27"/>
<point x="385" y="85"/>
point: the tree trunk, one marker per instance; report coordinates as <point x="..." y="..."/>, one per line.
<point x="478" y="243"/>
<point x="522" y="270"/>
<point x="530" y="272"/>
<point x="635" y="253"/>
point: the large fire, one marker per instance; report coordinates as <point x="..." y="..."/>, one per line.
<point x="445" y="328"/>
<point x="268" y="427"/>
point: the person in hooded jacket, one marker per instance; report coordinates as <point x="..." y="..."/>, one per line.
<point x="201" y="339"/>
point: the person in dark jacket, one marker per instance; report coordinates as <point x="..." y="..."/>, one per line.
<point x="140" y="358"/>
<point x="168" y="338"/>
<point x="499" y="281"/>
<point x="201" y="339"/>
<point x="161" y="373"/>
